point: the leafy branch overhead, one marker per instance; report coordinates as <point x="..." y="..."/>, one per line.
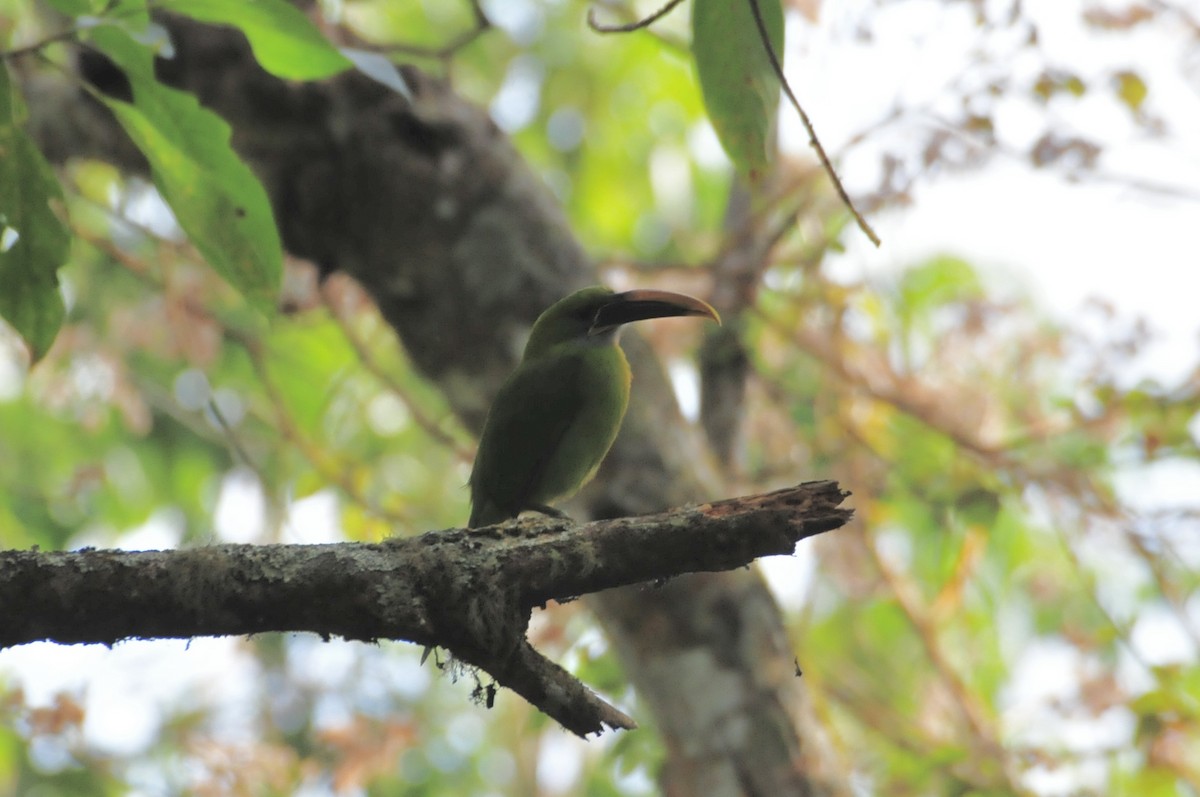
<point x="471" y="591"/>
<point x="217" y="199"/>
<point x="738" y="49"/>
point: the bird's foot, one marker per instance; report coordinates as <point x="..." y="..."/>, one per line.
<point x="545" y="509"/>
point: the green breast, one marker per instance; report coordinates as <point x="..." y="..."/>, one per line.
<point x="601" y="401"/>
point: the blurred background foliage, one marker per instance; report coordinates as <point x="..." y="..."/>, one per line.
<point x="1005" y="616"/>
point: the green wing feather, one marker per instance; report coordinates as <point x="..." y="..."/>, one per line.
<point x="550" y="426"/>
<point x="525" y="426"/>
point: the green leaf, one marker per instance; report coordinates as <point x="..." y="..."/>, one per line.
<point x="939" y="281"/>
<point x="740" y="88"/>
<point x="34" y="242"/>
<point x="216" y="199"/>
<point x="1057" y="81"/>
<point x="978" y="506"/>
<point x="285" y="42"/>
<point x="1131" y="89"/>
<point x="306" y="363"/>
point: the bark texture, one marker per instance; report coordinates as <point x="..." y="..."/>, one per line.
<point x="469" y="591"/>
<point x="429" y="206"/>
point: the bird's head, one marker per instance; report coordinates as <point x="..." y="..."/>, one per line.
<point x="595" y="314"/>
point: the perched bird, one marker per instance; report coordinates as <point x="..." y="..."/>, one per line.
<point x="558" y="413"/>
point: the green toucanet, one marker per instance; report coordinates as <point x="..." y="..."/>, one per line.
<point x="557" y="415"/>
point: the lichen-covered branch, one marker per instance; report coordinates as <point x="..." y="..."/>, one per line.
<point x="469" y="591"/>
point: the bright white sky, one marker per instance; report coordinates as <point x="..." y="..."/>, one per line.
<point x="1068" y="242"/>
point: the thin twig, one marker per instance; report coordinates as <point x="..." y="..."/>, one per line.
<point x="969" y="704"/>
<point x="773" y="57"/>
<point x="230" y="435"/>
<point x="109" y="12"/>
<point x="632" y="26"/>
<point x="38" y="46"/>
<point x="883" y="384"/>
<point x="445" y="52"/>
<point x="283" y="422"/>
<point x="290" y="431"/>
<point x="429" y="425"/>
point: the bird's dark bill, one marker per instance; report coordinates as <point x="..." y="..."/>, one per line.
<point x="639" y="305"/>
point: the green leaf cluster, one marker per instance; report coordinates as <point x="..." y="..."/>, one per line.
<point x="214" y="196"/>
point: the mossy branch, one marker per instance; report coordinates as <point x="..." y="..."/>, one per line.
<point x="469" y="591"/>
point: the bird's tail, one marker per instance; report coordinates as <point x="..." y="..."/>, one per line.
<point x="487" y="513"/>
